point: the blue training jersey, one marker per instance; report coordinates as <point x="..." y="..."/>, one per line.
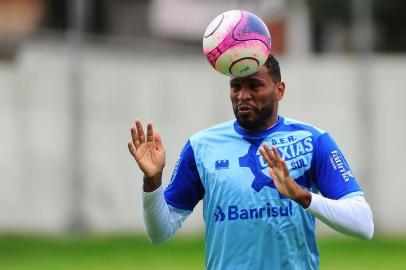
<point x="249" y="224"/>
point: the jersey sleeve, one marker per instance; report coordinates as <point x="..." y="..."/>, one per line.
<point x="185" y="189"/>
<point x="332" y="174"/>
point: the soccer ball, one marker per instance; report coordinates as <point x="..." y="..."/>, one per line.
<point x="237" y="43"/>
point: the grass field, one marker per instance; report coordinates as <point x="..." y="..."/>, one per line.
<point x="135" y="252"/>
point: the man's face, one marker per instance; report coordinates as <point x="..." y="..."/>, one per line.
<point x="255" y="100"/>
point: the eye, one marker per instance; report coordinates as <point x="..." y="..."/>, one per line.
<point x="254" y="86"/>
<point x="234" y="86"/>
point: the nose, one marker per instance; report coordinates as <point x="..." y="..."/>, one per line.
<point x="244" y="93"/>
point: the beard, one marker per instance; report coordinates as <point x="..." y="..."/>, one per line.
<point x="258" y="121"/>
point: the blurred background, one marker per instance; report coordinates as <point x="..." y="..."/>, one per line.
<point x="75" y="74"/>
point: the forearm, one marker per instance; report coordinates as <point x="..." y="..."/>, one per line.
<point x="152" y="183"/>
<point x="351" y="216"/>
<point x="160" y="221"/>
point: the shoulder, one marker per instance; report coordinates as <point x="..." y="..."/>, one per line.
<point x="218" y="130"/>
<point x="296" y="125"/>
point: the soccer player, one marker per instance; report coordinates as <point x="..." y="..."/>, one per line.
<point x="263" y="179"/>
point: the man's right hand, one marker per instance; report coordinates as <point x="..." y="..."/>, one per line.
<point x="149" y="153"/>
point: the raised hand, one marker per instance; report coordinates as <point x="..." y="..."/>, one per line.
<point x="147" y="151"/>
<point x="281" y="178"/>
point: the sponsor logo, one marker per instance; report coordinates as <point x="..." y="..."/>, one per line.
<point x="219" y="214"/>
<point x="234" y="212"/>
<point x="222" y="164"/>
<point x="338" y="163"/>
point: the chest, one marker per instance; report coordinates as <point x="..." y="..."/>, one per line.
<point x="237" y="166"/>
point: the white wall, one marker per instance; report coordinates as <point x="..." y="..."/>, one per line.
<point x="180" y="95"/>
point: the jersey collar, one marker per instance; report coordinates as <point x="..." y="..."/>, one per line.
<point x="258" y="135"/>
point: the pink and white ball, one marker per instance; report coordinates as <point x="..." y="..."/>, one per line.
<point x="237" y="43"/>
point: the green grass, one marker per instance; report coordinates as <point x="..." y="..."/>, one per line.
<point x="135" y="252"/>
<point x="348" y="253"/>
<point x="99" y="252"/>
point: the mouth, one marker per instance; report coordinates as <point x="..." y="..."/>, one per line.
<point x="245" y="109"/>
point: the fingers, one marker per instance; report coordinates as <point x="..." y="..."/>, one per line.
<point x="274" y="161"/>
<point x="157" y="140"/>
<point x="280" y="161"/>
<point x="276" y="153"/>
<point x="273" y="175"/>
<point x="265" y="156"/>
<point x="267" y="159"/>
<point x="138" y="136"/>
<point x="134" y="138"/>
<point x="140" y="131"/>
<point x="150" y="133"/>
<point x="268" y="156"/>
<point x="285" y="167"/>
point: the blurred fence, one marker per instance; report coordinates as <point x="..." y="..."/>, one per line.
<point x="360" y="101"/>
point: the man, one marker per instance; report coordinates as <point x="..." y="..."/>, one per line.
<point x="259" y="178"/>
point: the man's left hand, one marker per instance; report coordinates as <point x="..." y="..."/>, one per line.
<point x="281" y="178"/>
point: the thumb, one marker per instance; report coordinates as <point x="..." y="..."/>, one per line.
<point x="131" y="148"/>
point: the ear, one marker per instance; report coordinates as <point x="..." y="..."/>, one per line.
<point x="279" y="91"/>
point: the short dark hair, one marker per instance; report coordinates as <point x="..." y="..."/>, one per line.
<point x="273" y="68"/>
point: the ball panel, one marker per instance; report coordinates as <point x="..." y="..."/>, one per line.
<point x="223" y="63"/>
<point x="244" y="67"/>
<point x="251" y="27"/>
<point x="213" y="26"/>
<point x="219" y="29"/>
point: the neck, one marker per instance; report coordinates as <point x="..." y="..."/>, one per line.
<point x="272" y="119"/>
<point x="267" y="124"/>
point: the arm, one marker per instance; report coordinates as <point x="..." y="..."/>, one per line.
<point x="350" y="216"/>
<point x="161" y="221"/>
<point x="149" y="154"/>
